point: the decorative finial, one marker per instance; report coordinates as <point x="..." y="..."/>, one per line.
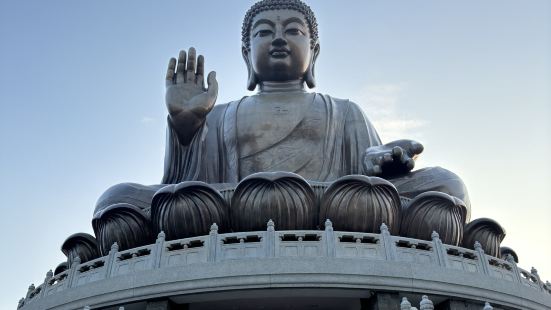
<point x="49" y="274"/>
<point x="487" y="306"/>
<point x="213" y="228"/>
<point x="534" y="271"/>
<point x="115" y="247"/>
<point x="161" y="236"/>
<point x="426" y="303"/>
<point x="31" y="288"/>
<point x="328" y="224"/>
<point x="21" y="303"/>
<point x="405" y="304"/>
<point x="510" y="258"/>
<point x="435" y="235"/>
<point x="271" y="225"/>
<point x="477" y="245"/>
<point x="384" y="228"/>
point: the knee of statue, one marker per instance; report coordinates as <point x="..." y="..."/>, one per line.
<point x="122" y="215"/>
<point x="432" y="179"/>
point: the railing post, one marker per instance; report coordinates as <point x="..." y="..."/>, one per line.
<point x="534" y="272"/>
<point x="511" y="260"/>
<point x="270" y="239"/>
<point x="21" y="303"/>
<point x="440" y="250"/>
<point x="49" y="276"/>
<point x="390" y="246"/>
<point x="405" y="304"/>
<point x="487" y="306"/>
<point x="158" y="250"/>
<point x="29" y="292"/>
<point x="483" y="261"/>
<point x="73" y="272"/>
<point x="213" y="243"/>
<point x="426" y="303"/>
<point x="110" y="264"/>
<point x="329" y="236"/>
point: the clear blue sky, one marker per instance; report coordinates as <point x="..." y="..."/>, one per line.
<point x="82" y="103"/>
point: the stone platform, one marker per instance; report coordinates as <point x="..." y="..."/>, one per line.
<point x="272" y="269"/>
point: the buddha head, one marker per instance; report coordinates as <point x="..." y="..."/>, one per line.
<point x="280" y="42"/>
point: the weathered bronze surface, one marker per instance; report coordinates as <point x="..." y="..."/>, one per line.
<point x="281" y="128"/>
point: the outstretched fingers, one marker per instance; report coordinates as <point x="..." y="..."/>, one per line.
<point x="181" y="69"/>
<point x="170" y="71"/>
<point x="190" y="69"/>
<point x="199" y="78"/>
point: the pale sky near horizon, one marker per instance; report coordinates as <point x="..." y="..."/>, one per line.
<point x="82" y="104"/>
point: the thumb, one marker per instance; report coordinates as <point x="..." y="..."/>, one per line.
<point x="212" y="84"/>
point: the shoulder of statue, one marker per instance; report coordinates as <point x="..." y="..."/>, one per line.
<point x="345" y="103"/>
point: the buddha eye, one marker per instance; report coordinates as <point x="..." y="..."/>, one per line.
<point x="263" y="33"/>
<point x="294" y="31"/>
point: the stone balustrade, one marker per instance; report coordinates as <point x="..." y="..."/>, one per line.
<point x="271" y="243"/>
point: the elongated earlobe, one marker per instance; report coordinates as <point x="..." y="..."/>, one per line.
<point x="251" y="78"/>
<point x="309" y="76"/>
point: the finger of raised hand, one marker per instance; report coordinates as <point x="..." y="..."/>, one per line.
<point x="213" y="85"/>
<point x="190" y="69"/>
<point x="180" y="70"/>
<point x="170" y="71"/>
<point x="199" y="79"/>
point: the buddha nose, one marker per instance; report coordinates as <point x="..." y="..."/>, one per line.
<point x="279" y="40"/>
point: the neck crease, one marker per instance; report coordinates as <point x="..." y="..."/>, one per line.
<point x="281" y="87"/>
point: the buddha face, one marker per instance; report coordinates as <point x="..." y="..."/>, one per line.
<point x="280" y="48"/>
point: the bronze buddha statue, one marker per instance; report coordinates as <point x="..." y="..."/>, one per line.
<point x="281" y="128"/>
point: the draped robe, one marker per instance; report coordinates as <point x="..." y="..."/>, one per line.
<point x="338" y="130"/>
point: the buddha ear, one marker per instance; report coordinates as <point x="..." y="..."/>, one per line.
<point x="309" y="76"/>
<point x="251" y="79"/>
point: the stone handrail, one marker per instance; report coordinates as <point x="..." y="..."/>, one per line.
<point x="216" y="247"/>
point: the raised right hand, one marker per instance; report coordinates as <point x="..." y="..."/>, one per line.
<point x="187" y="100"/>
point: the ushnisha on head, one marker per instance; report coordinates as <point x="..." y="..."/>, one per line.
<point x="280" y="42"/>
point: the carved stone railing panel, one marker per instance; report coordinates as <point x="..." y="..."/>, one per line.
<point x="184" y="252"/>
<point x="90" y="271"/>
<point x="299" y="243"/>
<point x="132" y="260"/>
<point x="462" y="259"/>
<point x="242" y="245"/>
<point x="359" y="245"/>
<point x="501" y="269"/>
<point x="415" y="251"/>
<point x="528" y="279"/>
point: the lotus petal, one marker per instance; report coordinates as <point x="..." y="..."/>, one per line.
<point x="188" y="209"/>
<point x="434" y="211"/>
<point x="361" y="203"/>
<point x="123" y="223"/>
<point x="487" y="232"/>
<point x="80" y="245"/>
<point x="284" y="197"/>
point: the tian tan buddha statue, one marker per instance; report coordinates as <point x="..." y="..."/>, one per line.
<point x="285" y="154"/>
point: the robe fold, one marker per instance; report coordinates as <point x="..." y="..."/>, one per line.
<point x="342" y="133"/>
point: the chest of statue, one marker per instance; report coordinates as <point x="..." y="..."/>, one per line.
<point x="279" y="132"/>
